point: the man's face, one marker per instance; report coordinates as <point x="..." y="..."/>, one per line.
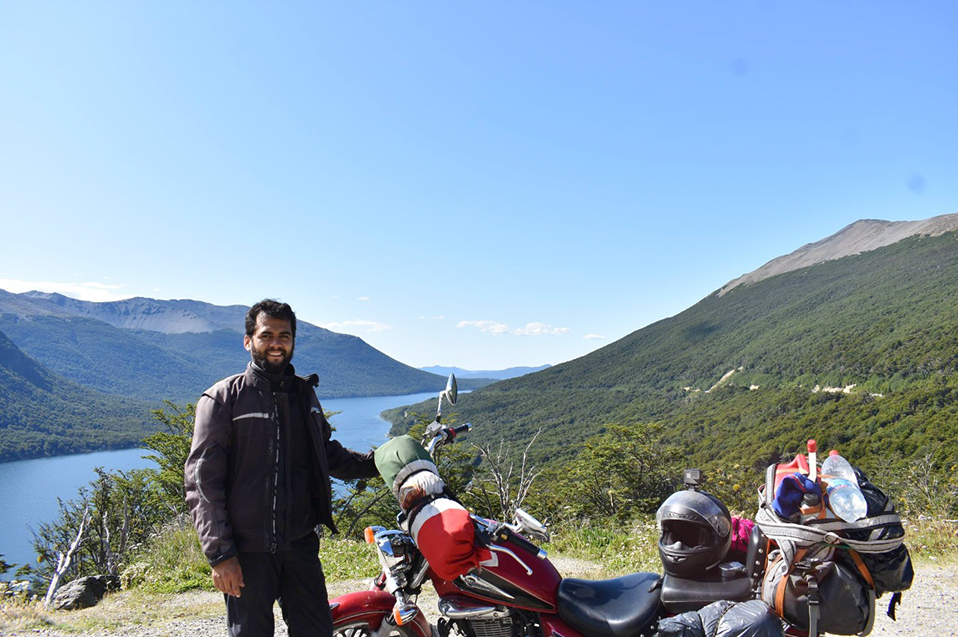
<point x="271" y="344"/>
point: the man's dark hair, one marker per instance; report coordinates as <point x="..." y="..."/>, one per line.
<point x="272" y="309"/>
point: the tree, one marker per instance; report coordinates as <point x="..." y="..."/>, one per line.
<point x="172" y="448"/>
<point x="123" y="509"/>
<point x="622" y="472"/>
<point x="509" y="489"/>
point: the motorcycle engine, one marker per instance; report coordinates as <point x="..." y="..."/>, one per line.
<point x="492" y="628"/>
<point x="472" y="618"/>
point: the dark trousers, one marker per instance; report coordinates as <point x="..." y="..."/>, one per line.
<point x="293" y="577"/>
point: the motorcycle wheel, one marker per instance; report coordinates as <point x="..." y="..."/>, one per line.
<point x="363" y="629"/>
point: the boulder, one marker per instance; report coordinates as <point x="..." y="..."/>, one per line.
<point x="18" y="588"/>
<point x="85" y="592"/>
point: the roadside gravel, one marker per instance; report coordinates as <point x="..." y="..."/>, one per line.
<point x="928" y="609"/>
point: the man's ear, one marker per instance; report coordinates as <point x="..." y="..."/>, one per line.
<point x="247" y="342"/>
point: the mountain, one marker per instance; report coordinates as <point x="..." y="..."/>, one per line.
<point x="855" y="348"/>
<point x="42" y="414"/>
<point x="155" y="350"/>
<point x="501" y="374"/>
<point x="861" y="236"/>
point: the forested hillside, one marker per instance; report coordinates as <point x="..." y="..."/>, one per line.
<point x="753" y="373"/>
<point x="42" y="414"/>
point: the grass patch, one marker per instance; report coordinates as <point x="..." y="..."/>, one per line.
<point x="619" y="548"/>
<point x="115" y="614"/>
<point x="345" y="559"/>
<point x="171" y="562"/>
<point x="17" y="614"/>
<point x="932" y="539"/>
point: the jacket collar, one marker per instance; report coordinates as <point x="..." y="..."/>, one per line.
<point x="261" y="379"/>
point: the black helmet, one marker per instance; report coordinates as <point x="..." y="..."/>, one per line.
<point x="695" y="532"/>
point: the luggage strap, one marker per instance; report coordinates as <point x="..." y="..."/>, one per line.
<point x="789" y="535"/>
<point x="813" y="611"/>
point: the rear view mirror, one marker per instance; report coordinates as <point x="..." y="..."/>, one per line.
<point x="452" y="390"/>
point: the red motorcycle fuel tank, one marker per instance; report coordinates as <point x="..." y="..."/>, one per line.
<point x="532" y="585"/>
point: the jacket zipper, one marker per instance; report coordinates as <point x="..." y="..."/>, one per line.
<point x="272" y="544"/>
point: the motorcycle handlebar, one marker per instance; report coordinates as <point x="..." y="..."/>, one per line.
<point x="443" y="435"/>
<point x="461" y="429"/>
<point x="503" y="532"/>
<point x="524" y="544"/>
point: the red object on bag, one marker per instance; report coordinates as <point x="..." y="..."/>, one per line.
<point x="800" y="464"/>
<point x="741" y="530"/>
<point x="445" y="534"/>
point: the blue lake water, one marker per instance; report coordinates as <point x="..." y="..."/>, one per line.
<point x="29" y="488"/>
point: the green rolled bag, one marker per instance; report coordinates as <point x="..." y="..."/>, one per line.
<point x="399" y="459"/>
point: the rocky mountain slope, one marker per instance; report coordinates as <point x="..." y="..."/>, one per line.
<point x="862" y="236"/>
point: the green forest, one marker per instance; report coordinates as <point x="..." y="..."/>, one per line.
<point x="45" y="415"/>
<point x="860" y="353"/>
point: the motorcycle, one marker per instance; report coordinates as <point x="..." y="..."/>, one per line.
<point x="516" y="593"/>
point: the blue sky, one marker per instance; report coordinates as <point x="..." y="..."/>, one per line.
<point x="478" y="184"/>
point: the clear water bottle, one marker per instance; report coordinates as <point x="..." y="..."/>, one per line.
<point x="841" y="486"/>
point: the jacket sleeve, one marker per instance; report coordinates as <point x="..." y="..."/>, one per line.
<point x="344" y="463"/>
<point x="205" y="479"/>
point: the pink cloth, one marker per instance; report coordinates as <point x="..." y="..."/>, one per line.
<point x="741" y="530"/>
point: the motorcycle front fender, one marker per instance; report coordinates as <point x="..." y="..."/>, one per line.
<point x="372" y="607"/>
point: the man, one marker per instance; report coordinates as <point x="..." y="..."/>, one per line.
<point x="257" y="483"/>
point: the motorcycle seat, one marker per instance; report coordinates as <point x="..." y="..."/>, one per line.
<point x="622" y="607"/>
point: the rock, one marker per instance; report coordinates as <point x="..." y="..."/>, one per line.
<point x="18" y="588"/>
<point x="85" y="592"/>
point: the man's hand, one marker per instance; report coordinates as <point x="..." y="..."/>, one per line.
<point x="228" y="577"/>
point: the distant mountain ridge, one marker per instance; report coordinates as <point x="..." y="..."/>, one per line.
<point x="862" y="236"/>
<point x="500" y="374"/>
<point x="156" y="350"/>
<point x="138" y="313"/>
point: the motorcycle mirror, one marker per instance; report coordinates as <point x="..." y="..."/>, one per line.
<point x="531" y="525"/>
<point x="452" y="390"/>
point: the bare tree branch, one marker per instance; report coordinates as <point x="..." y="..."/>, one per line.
<point x="503" y="480"/>
<point x="64" y="562"/>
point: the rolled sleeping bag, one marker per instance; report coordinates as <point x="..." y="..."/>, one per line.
<point x="440" y="526"/>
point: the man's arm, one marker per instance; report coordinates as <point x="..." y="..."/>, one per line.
<point x="205" y="479"/>
<point x="344" y="463"/>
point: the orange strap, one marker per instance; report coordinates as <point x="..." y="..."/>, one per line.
<point x="783" y="583"/>
<point x="862" y="568"/>
<point x="780" y="595"/>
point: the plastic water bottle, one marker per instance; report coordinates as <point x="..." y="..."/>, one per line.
<point x="844" y="497"/>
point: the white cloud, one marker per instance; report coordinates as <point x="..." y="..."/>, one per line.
<point x="91" y="291"/>
<point x="357" y="325"/>
<point x="486" y="326"/>
<point x="363" y="298"/>
<point x="593" y="337"/>
<point x="531" y="329"/>
<point x="540" y="329"/>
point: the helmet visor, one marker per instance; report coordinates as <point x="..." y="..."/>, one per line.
<point x="688" y="505"/>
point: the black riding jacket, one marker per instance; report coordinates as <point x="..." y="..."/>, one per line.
<point x="256" y="461"/>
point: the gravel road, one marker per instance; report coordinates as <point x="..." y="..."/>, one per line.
<point x="928" y="609"/>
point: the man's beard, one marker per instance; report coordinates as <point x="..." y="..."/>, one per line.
<point x="273" y="368"/>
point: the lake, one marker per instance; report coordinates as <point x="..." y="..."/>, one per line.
<point x="29" y="488"/>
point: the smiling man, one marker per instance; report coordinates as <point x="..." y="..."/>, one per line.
<point x="257" y="483"/>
